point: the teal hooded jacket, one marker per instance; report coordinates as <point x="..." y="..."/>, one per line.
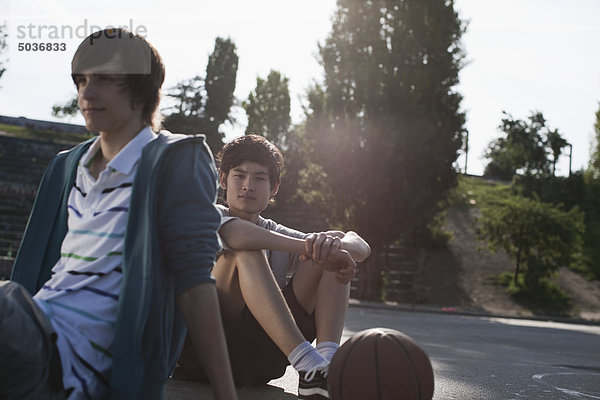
<point x="170" y="245"/>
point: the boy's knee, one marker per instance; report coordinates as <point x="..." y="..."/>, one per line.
<point x="234" y="259"/>
<point x="245" y="256"/>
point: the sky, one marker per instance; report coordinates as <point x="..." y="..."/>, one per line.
<point x="522" y="56"/>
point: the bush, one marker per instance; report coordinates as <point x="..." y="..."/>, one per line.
<point x="538" y="236"/>
<point x="545" y="296"/>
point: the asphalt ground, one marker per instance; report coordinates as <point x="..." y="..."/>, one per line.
<point x="473" y="356"/>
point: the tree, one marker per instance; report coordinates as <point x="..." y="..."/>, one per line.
<point x="539" y="237"/>
<point x="188" y="94"/>
<point x="3" y="45"/>
<point x="221" y="73"/>
<point x="594" y="163"/>
<point x="384" y="130"/>
<point x="525" y="148"/>
<point x="189" y="107"/>
<point x="69" y="108"/>
<point x="203" y="105"/>
<point x="268" y="109"/>
<point x="591" y="205"/>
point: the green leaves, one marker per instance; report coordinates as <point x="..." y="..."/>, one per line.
<point x="594" y="163"/>
<point x="525" y="148"/>
<point x="540" y="237"/>
<point x="70" y="108"/>
<point x="203" y="104"/>
<point x="386" y="125"/>
<point x="268" y="109"/>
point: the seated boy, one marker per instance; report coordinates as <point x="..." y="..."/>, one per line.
<point x="118" y="249"/>
<point x="271" y="320"/>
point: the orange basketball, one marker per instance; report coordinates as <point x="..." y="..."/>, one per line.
<point x="380" y="364"/>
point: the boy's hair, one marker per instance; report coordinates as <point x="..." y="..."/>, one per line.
<point x="253" y="148"/>
<point x="119" y="52"/>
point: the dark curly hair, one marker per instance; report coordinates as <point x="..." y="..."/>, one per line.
<point x="253" y="148"/>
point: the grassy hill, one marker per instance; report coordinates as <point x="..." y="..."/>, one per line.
<point x="465" y="275"/>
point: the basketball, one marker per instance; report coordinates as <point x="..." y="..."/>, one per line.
<point x="380" y="364"/>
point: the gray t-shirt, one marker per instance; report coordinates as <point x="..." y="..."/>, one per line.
<point x="283" y="264"/>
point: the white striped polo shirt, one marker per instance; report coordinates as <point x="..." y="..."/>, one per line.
<point x="82" y="294"/>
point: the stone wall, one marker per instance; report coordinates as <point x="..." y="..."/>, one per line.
<point x="22" y="165"/>
<point x="43" y="125"/>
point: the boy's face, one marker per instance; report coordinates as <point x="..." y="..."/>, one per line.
<point x="248" y="189"/>
<point x="105" y="104"/>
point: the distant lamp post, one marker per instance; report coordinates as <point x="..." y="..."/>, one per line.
<point x="570" y="157"/>
<point x="466" y="152"/>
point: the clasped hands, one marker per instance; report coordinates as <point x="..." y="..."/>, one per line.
<point x="326" y="249"/>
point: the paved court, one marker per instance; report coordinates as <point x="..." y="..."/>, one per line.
<point x="473" y="357"/>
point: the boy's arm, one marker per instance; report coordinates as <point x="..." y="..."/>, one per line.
<point x="188" y="223"/>
<point x="239" y="234"/>
<point x="199" y="306"/>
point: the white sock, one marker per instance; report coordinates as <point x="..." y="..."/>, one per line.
<point x="305" y="357"/>
<point x="327" y="349"/>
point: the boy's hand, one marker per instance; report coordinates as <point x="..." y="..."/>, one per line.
<point x="326" y="249"/>
<point x="318" y="247"/>
<point x="341" y="262"/>
<point x="346" y="274"/>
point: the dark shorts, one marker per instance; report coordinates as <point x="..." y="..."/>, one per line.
<point x="30" y="366"/>
<point x="255" y="359"/>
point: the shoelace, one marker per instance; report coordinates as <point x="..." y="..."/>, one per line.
<point x="310" y="374"/>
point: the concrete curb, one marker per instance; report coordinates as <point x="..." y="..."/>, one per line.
<point x="469" y="313"/>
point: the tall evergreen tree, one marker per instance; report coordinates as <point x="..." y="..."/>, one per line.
<point x="221" y="73"/>
<point x="385" y="129"/>
<point x="204" y="104"/>
<point x="268" y="108"/>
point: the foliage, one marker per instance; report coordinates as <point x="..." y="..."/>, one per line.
<point x="525" y="148"/>
<point x="581" y="190"/>
<point x="594" y="163"/>
<point x="590" y="264"/>
<point x="472" y="191"/>
<point x="591" y="205"/>
<point x="221" y="73"/>
<point x="383" y="131"/>
<point x="3" y="45"/>
<point x="70" y="108"/>
<point x="497" y="202"/>
<point x="189" y="96"/>
<point x="547" y="296"/>
<point x="204" y="104"/>
<point x="568" y="191"/>
<point x="268" y="109"/>
<point x="539" y="237"/>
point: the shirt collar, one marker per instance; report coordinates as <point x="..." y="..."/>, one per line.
<point x="129" y="155"/>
